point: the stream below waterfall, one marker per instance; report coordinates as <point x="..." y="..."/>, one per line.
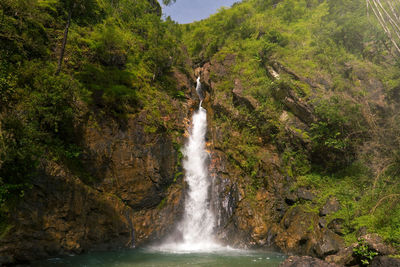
<point x="148" y="257"/>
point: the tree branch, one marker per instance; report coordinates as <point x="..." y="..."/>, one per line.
<point x="381" y="200"/>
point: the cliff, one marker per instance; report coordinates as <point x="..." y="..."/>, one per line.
<point x="302" y="104"/>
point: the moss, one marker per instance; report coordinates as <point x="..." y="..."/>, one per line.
<point x="162" y="203"/>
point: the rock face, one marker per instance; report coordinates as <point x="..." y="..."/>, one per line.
<point x="133" y="194"/>
<point x="263" y="218"/>
<point x="303" y="235"/>
<point x="62" y="216"/>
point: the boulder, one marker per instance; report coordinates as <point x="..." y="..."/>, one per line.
<point x="336" y="225"/>
<point x="305" y="194"/>
<point x="303" y="235"/>
<point x="343" y="257"/>
<point x="291" y="198"/>
<point x="375" y="242"/>
<point x="384" y="261"/>
<point x="299" y="194"/>
<point x="306" y="261"/>
<point x="329" y="244"/>
<point x="332" y="205"/>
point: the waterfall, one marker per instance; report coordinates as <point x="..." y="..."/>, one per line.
<point x="195" y="231"/>
<point x="199" y="91"/>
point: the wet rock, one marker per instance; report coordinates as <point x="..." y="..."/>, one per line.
<point x="329" y="244"/>
<point x="332" y="205"/>
<point x="336" y="225"/>
<point x="343" y="257"/>
<point x="376" y="243"/>
<point x="384" y="261"/>
<point x="306" y="261"/>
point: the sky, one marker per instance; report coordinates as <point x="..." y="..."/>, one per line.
<point x="186" y="11"/>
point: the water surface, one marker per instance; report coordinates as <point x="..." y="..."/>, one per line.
<point x="151" y="258"/>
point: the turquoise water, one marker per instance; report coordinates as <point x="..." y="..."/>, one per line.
<point x="148" y="258"/>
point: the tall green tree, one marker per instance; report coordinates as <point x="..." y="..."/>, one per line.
<point x="79" y="11"/>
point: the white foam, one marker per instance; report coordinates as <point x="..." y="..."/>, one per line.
<point x="195" y="231"/>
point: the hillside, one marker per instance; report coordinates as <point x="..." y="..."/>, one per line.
<point x="302" y="99"/>
<point x="318" y="82"/>
<point x="85" y="147"/>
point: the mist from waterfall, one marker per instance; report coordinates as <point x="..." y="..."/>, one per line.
<point x="195" y="231"/>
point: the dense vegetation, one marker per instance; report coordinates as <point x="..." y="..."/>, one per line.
<point x="343" y="66"/>
<point x="117" y="60"/>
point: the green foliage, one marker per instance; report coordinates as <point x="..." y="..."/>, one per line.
<point x="291" y="10"/>
<point x="19" y="157"/>
<point x="336" y="61"/>
<point x="7" y="87"/>
<point x="339" y="132"/>
<point x="296" y="163"/>
<point x="118" y="60"/>
<point x="82" y="11"/>
<point x="363" y="252"/>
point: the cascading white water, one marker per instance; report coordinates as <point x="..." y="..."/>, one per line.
<point x="199" y="91"/>
<point x="196" y="227"/>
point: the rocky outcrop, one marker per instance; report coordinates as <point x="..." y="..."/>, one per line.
<point x="239" y="99"/>
<point x="303" y="235"/>
<point x="376" y="243"/>
<point x="250" y="216"/>
<point x="286" y="95"/>
<point x="131" y="163"/>
<point x="332" y="205"/>
<point x="345" y="257"/>
<point x="385" y="261"/>
<point x="306" y="261"/>
<point x="127" y="191"/>
<point x="61" y="215"/>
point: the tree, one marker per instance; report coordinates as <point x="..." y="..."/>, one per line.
<point x="80" y="11"/>
<point x="387" y="14"/>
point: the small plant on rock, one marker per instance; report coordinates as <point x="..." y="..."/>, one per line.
<point x="364" y="253"/>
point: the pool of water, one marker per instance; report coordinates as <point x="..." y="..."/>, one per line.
<point x="154" y="258"/>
